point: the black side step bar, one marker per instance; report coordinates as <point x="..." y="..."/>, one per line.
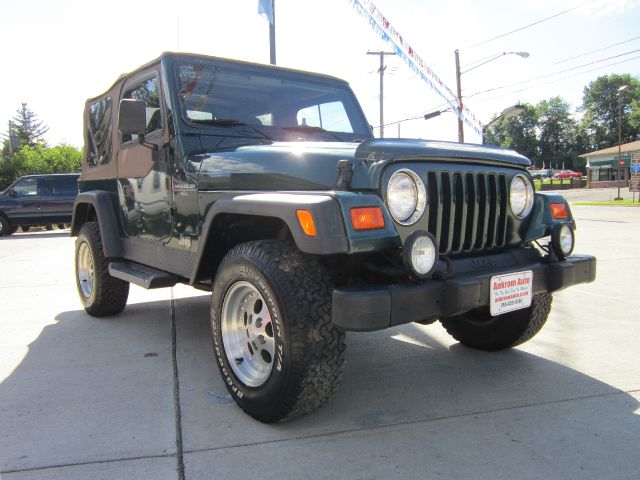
<point x="142" y="275"/>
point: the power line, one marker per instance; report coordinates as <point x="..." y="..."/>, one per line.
<point x="595" y="51"/>
<point x="555" y="81"/>
<point x="416" y="116"/>
<point x="551" y="74"/>
<point x="528" y="26"/>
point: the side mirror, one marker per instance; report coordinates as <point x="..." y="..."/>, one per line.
<point x="11" y="192"/>
<point x="132" y="119"/>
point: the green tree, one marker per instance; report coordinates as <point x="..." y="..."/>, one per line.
<point x="39" y="159"/>
<point x="601" y="102"/>
<point x="634" y="115"/>
<point x="26" y="126"/>
<point x="557" y="132"/>
<point x="581" y="144"/>
<point x="519" y="133"/>
<point x="9" y="171"/>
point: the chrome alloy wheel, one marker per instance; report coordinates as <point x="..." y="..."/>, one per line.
<point x="247" y="334"/>
<point x="85" y="270"/>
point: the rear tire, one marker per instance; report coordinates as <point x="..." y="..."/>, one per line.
<point x="276" y="349"/>
<point x="478" y="329"/>
<point x="100" y="293"/>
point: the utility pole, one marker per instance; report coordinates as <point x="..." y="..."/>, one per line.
<point x="459" y="93"/>
<point x="381" y="71"/>
<point x="459" y="87"/>
<point x="10" y="138"/>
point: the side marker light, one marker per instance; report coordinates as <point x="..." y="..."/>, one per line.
<point x="306" y="222"/>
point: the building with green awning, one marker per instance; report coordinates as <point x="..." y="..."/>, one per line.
<point x="604" y="166"/>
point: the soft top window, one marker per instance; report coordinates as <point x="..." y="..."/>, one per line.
<point x="99" y="132"/>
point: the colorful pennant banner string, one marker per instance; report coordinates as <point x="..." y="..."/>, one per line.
<point x="379" y="23"/>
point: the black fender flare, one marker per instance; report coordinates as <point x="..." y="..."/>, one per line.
<point x="542" y="223"/>
<point x="331" y="236"/>
<point x="103" y="205"/>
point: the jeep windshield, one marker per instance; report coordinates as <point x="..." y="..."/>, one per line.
<point x="268" y="103"/>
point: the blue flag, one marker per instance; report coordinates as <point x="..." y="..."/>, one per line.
<point x="265" y="8"/>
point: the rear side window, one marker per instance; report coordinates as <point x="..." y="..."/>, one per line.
<point x="99" y="133"/>
<point x="63" y="186"/>
<point x="149" y="93"/>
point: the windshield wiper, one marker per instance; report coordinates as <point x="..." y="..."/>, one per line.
<point x="219" y="122"/>
<point x="307" y="128"/>
<point x="230" y="122"/>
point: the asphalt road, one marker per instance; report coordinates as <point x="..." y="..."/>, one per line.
<point x="85" y="398"/>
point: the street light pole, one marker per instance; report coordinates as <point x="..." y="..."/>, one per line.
<point x="621" y="90"/>
<point x="459" y="93"/>
<point x="381" y="71"/>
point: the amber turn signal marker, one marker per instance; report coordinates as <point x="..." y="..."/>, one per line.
<point x="367" y="218"/>
<point x="559" y="210"/>
<point x="306" y="222"/>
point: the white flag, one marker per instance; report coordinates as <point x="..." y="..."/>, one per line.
<point x="265" y="8"/>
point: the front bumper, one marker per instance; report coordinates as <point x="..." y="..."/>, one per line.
<point x="376" y="308"/>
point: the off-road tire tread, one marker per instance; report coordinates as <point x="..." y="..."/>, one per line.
<point x="111" y="293"/>
<point x="541" y="306"/>
<point x="504" y="331"/>
<point x="304" y="288"/>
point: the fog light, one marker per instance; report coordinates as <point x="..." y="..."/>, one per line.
<point x="563" y="240"/>
<point x="420" y="253"/>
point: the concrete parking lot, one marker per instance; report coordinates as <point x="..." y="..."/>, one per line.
<point x="138" y="396"/>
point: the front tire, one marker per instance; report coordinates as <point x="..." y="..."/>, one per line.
<point x="100" y="293"/>
<point x="5" y="226"/>
<point x="478" y="329"/>
<point x="276" y="349"/>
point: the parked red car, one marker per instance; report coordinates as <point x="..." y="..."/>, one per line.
<point x="567" y="174"/>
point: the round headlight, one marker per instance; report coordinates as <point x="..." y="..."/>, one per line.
<point x="521" y="196"/>
<point x="563" y="240"/>
<point x="406" y="197"/>
<point x="420" y="253"/>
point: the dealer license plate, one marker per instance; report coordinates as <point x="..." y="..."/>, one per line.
<point x="511" y="291"/>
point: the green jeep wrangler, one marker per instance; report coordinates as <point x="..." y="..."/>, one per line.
<point x="265" y="186"/>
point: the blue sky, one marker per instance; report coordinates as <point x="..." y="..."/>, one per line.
<point x="58" y="53"/>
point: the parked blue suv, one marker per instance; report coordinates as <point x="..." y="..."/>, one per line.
<point x="38" y="200"/>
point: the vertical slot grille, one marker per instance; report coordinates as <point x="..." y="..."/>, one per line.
<point x="467" y="210"/>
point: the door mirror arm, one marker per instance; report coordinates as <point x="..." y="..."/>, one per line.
<point x="155" y="150"/>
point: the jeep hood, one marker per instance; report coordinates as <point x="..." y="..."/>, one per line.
<point x="313" y="165"/>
